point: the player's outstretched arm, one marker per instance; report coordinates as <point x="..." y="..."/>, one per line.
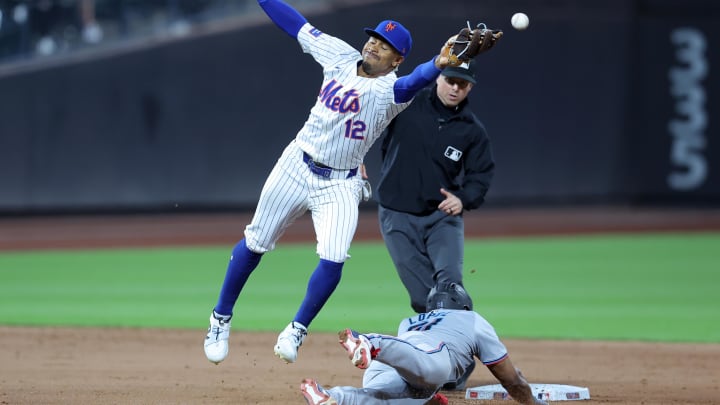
<point x="407" y="86"/>
<point x="513" y="381"/>
<point x="284" y="16"/>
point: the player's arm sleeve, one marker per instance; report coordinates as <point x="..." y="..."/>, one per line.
<point x="284" y="16"/>
<point x="479" y="171"/>
<point x="403" y="327"/>
<point x="327" y="50"/>
<point x="407" y="86"/>
<point x="488" y="347"/>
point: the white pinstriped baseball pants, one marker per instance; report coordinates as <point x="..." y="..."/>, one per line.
<point x="290" y="191"/>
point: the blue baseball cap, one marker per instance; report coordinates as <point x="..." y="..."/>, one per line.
<point x="394" y="34"/>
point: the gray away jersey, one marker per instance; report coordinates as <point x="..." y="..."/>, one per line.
<point x="466" y="334"/>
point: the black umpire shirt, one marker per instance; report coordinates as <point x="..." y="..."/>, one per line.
<point x="429" y="146"/>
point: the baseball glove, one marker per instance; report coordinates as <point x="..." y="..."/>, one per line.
<point x="468" y="43"/>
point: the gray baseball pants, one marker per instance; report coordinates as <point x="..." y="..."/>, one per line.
<point x="424" y="249"/>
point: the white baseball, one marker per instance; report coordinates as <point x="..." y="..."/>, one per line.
<point x="520" y="21"/>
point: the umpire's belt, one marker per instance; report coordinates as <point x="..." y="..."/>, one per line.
<point x="325" y="171"/>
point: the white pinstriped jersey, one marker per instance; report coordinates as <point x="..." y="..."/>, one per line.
<point x="351" y="111"/>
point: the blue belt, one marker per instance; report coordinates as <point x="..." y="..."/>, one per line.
<point x="325" y="171"/>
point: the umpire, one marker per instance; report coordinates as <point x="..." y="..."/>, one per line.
<point x="436" y="163"/>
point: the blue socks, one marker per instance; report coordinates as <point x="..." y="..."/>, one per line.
<point x="322" y="284"/>
<point x="320" y="287"/>
<point x="242" y="263"/>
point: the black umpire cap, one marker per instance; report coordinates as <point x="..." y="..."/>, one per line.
<point x="465" y="71"/>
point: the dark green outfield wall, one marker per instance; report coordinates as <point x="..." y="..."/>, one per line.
<point x="598" y="101"/>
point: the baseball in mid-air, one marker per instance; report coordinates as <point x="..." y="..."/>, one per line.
<point x="520" y="21"/>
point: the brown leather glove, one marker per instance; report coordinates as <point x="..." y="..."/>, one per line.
<point x="468" y="43"/>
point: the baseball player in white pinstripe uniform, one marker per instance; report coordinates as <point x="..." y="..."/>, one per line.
<point x="430" y="350"/>
<point x="318" y="171"/>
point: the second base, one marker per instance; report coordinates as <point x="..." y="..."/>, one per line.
<point x="547" y="392"/>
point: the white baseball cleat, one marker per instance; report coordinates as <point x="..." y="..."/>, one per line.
<point x="315" y="394"/>
<point x="289" y="340"/>
<point x="358" y="347"/>
<point x="216" y="341"/>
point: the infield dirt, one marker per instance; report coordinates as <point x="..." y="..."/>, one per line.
<point x="146" y="366"/>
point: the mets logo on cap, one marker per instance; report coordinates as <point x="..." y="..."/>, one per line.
<point x="394" y="34"/>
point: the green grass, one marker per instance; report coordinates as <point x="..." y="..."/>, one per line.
<point x="639" y="287"/>
<point x="650" y="287"/>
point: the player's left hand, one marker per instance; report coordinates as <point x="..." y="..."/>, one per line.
<point x="451" y="205"/>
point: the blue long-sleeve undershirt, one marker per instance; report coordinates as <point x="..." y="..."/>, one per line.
<point x="407" y="86"/>
<point x="284" y="16"/>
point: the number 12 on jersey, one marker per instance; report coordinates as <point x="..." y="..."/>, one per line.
<point x="355" y="129"/>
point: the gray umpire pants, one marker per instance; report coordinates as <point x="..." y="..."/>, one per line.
<point x="424" y="249"/>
